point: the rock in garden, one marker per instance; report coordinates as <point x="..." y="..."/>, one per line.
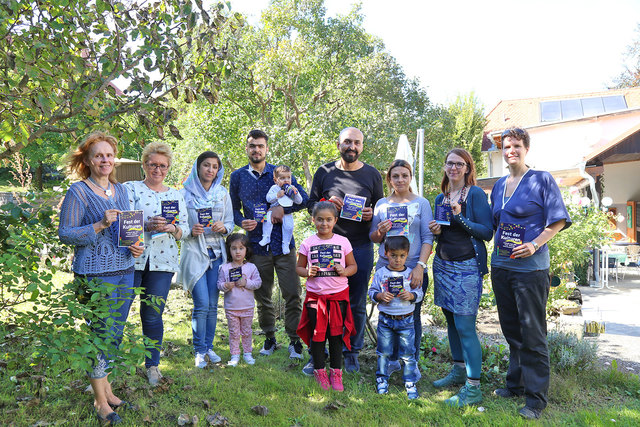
<point x="260" y="410"/>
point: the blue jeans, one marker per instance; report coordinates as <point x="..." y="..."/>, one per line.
<point x="205" y="307"/>
<point x="358" y="285"/>
<point x="153" y="284"/>
<point x="120" y="299"/>
<point x="400" y="333"/>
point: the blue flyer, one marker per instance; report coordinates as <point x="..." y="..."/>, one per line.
<point x="259" y="211"/>
<point x="443" y="213"/>
<point x="509" y="236"/>
<point x="205" y="216"/>
<point x="130" y="229"/>
<point x="170" y="211"/>
<point x="235" y="274"/>
<point x="352" y="207"/>
<point x="395" y="284"/>
<point x="399" y="217"/>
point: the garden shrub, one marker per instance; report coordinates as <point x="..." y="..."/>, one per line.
<point x="41" y="321"/>
<point x="568" y="353"/>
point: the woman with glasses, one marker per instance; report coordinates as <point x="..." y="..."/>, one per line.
<point x="528" y="211"/>
<point x="463" y="223"/>
<point x="211" y="220"/>
<point x="165" y="215"/>
<point x="418" y="215"/>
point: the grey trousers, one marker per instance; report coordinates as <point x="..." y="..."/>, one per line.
<point x="289" y="282"/>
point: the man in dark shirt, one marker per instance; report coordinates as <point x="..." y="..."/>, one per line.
<point x="248" y="187"/>
<point x="331" y="182"/>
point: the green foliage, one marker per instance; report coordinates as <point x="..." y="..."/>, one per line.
<point x="568" y="353"/>
<point x="38" y="310"/>
<point x="569" y="248"/>
<point x="60" y="63"/>
<point x="495" y="361"/>
<point x="302" y="76"/>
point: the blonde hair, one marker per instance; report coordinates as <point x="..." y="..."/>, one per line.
<point x="161" y="148"/>
<point x="76" y="160"/>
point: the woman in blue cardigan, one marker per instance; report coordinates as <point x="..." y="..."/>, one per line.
<point x="459" y="264"/>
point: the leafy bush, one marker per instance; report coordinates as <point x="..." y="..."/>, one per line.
<point x="568" y="353"/>
<point x="568" y="250"/>
<point x="495" y="360"/>
<point x="39" y="313"/>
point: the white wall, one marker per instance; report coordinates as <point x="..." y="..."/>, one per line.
<point x="564" y="145"/>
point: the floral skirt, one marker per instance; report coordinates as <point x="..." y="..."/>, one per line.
<point x="457" y="286"/>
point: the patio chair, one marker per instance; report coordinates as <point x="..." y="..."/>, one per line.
<point x="633" y="258"/>
<point x="613" y="265"/>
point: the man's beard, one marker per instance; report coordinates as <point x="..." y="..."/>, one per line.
<point x="349" y="156"/>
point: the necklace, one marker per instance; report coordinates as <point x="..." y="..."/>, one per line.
<point x="461" y="192"/>
<point x="107" y="190"/>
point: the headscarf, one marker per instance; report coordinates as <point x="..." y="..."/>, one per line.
<point x="196" y="197"/>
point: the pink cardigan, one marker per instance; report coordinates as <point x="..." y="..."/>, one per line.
<point x="239" y="298"/>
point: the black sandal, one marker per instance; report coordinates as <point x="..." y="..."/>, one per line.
<point x="110" y="419"/>
<point x="127" y="406"/>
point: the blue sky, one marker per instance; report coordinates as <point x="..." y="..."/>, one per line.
<point x="499" y="49"/>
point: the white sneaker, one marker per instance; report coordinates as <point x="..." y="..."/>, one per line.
<point x="213" y="357"/>
<point x="200" y="360"/>
<point x="235" y="358"/>
<point x="249" y="359"/>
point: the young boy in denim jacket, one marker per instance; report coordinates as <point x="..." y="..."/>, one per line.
<point x="392" y="291"/>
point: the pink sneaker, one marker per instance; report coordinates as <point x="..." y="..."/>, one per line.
<point x="321" y="378"/>
<point x="336" y="379"/>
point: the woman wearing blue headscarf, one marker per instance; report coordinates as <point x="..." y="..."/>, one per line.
<point x="210" y="220"/>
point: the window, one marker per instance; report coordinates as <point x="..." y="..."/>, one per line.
<point x="552" y="111"/>
<point x="614" y="103"/>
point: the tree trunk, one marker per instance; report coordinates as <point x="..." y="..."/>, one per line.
<point x="307" y="173"/>
<point x="39" y="176"/>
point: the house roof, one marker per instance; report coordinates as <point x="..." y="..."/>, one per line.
<point x="614" y="150"/>
<point x="526" y="112"/>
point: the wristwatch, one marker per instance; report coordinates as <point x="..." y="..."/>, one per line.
<point x="535" y="245"/>
<point x="422" y="264"/>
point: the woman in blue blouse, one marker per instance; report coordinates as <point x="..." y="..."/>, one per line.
<point x="459" y="264"/>
<point x="203" y="251"/>
<point x="398" y="178"/>
<point x="88" y="220"/>
<point x="158" y="263"/>
<point x="528" y="211"/>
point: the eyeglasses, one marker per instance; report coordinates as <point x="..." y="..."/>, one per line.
<point x="157" y="166"/>
<point x="457" y="165"/>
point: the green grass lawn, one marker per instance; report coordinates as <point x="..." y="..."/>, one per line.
<point x="32" y="396"/>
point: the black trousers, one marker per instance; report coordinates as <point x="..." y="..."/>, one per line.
<point x="522" y="301"/>
<point x="335" y="341"/>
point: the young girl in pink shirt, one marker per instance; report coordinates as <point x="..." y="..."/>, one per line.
<point x="238" y="279"/>
<point x="326" y="260"/>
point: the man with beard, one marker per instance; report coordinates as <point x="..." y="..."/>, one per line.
<point x="331" y="182"/>
<point x="248" y="188"/>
